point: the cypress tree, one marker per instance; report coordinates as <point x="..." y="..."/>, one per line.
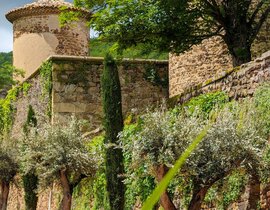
<point x="30" y="180"/>
<point x="113" y="124"/>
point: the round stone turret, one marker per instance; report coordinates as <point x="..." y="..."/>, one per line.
<point x="37" y="33"/>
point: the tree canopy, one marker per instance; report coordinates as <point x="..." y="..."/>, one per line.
<point x="174" y="26"/>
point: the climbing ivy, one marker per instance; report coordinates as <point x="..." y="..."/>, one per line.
<point x="46" y="82"/>
<point x="46" y="77"/>
<point x="7" y="106"/>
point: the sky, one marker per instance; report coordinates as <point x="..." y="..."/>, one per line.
<point x="6" y="37"/>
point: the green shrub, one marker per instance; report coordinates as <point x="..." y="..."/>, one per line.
<point x="206" y="102"/>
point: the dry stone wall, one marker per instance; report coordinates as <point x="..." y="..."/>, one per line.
<point x="207" y="59"/>
<point x="237" y="83"/>
<point x="76" y="86"/>
<point x="197" y="65"/>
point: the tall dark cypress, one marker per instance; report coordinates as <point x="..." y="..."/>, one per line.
<point x="113" y="124"/>
<point x="30" y="180"/>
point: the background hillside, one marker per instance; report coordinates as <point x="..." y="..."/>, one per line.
<point x="99" y="49"/>
<point x="5" y="58"/>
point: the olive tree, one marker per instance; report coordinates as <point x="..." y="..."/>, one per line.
<point x="59" y="153"/>
<point x="232" y="142"/>
<point x="8" y="170"/>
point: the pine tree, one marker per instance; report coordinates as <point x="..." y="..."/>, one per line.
<point x="113" y="124"/>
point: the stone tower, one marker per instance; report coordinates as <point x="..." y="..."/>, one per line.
<point x="37" y="34"/>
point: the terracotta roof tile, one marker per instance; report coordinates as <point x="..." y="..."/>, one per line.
<point x="40" y="7"/>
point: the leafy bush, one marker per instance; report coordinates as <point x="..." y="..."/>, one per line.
<point x="262" y="104"/>
<point x="206" y="102"/>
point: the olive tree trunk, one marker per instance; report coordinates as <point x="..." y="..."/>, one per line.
<point x="113" y="124"/>
<point x="198" y="196"/>
<point x="239" y="48"/>
<point x="67" y="191"/>
<point x="254" y="191"/>
<point x="165" y="199"/>
<point x="4" y="195"/>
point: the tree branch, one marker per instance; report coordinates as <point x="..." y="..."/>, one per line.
<point x="78" y="180"/>
<point x="257" y="9"/>
<point x="257" y="27"/>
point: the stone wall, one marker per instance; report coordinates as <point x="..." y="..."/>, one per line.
<point x="34" y="97"/>
<point x="39" y="36"/>
<point x="76" y="86"/>
<point x="237" y="83"/>
<point x="208" y="59"/>
<point x="197" y="65"/>
<point x="76" y="90"/>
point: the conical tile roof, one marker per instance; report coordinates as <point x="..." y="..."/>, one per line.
<point x="40" y="7"/>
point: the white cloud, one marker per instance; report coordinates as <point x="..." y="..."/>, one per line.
<point x="6" y="40"/>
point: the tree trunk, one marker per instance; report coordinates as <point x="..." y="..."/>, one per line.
<point x="240" y="52"/>
<point x="67" y="191"/>
<point x="254" y="191"/>
<point x="197" y="198"/>
<point x="244" y="58"/>
<point x="165" y="199"/>
<point x="4" y="195"/>
<point x="238" y="45"/>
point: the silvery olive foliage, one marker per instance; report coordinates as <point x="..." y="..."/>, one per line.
<point x="160" y="137"/>
<point x="53" y="148"/>
<point x="232" y="141"/>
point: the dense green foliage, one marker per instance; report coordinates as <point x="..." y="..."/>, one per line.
<point x="174" y="26"/>
<point x="30" y="179"/>
<point x="7" y="71"/>
<point x="30" y="185"/>
<point x="262" y="103"/>
<point x="6" y="58"/>
<point x="113" y="124"/>
<point x="205" y="103"/>
<point x="99" y="48"/>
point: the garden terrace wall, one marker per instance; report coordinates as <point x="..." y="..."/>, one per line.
<point x="76" y="86"/>
<point x="238" y="83"/>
